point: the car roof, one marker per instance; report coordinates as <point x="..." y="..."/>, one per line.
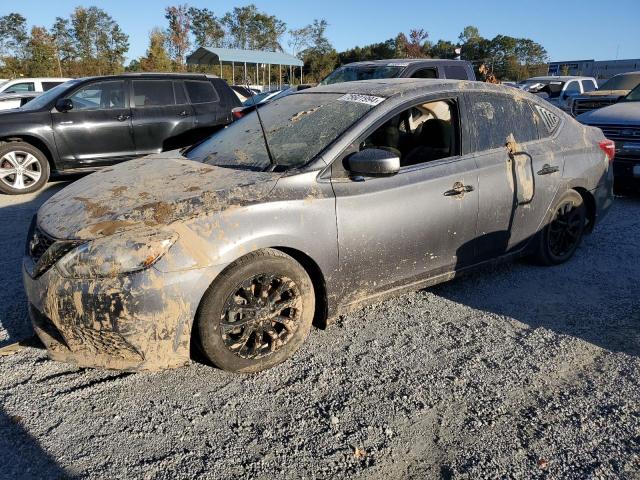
<point x="150" y="75"/>
<point x="404" y="61"/>
<point x="401" y="86"/>
<point x="40" y="79"/>
<point x="560" y="78"/>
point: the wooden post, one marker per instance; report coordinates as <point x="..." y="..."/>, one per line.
<point x="233" y="73"/>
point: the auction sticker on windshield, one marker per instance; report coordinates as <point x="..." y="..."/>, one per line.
<point x="358" y="98"/>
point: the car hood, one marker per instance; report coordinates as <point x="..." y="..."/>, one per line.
<point x="605" y="93"/>
<point x="152" y="191"/>
<point x="622" y="113"/>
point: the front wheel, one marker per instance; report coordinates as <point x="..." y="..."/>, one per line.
<point x="257" y="313"/>
<point x="562" y="236"/>
<point x="23" y="168"/>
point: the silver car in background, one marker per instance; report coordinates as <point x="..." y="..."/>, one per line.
<point x="355" y="191"/>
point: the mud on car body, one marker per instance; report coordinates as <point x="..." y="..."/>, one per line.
<point x="357" y="191"/>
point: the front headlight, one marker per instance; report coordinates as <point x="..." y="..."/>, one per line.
<point x="121" y="253"/>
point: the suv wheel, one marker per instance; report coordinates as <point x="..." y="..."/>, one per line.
<point x="257" y="313"/>
<point x="23" y="168"/>
<point x="562" y="236"/>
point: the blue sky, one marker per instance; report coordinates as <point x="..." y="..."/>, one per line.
<point x="568" y="29"/>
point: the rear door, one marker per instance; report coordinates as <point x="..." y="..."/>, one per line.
<point x="209" y="110"/>
<point x="162" y="117"/>
<point x="98" y="129"/>
<point x="518" y="173"/>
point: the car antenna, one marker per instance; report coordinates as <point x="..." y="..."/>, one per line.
<point x="272" y="162"/>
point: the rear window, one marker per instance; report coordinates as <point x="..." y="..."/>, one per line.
<point x="621" y="82"/>
<point x="496" y="117"/>
<point x="456" y="72"/>
<point x="201" y="91"/>
<point x="425" y="73"/>
<point x="178" y="89"/>
<point x="46" y="86"/>
<point x="153" y="93"/>
<point x="363" y="72"/>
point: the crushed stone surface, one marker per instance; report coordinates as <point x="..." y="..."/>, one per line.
<point x="515" y="371"/>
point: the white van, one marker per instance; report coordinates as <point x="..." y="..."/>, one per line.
<point x="20" y="85"/>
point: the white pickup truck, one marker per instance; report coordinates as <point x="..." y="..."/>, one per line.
<point x="20" y="85"/>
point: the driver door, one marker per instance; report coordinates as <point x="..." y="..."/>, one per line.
<point x="398" y="229"/>
<point x="98" y="129"/>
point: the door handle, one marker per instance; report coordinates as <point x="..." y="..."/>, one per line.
<point x="458" y="189"/>
<point x="184" y="113"/>
<point x="548" y="169"/>
<point x="122" y="118"/>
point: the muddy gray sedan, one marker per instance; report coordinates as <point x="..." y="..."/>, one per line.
<point x="332" y="198"/>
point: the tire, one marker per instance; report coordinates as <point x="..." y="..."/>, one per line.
<point x="23" y="168"/>
<point x="561" y="237"/>
<point x="257" y="313"/>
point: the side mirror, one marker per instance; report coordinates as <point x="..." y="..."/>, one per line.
<point x="374" y="161"/>
<point x="64" y="105"/>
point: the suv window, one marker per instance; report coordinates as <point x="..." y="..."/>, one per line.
<point x="572" y="87"/>
<point x="100" y="95"/>
<point x="153" y="93"/>
<point x="420" y="134"/>
<point x="497" y="116"/>
<point x="588" y="86"/>
<point x="201" y="91"/>
<point x="425" y="73"/>
<point x="456" y="72"/>
<point x="21" y="87"/>
<point x="46" y="86"/>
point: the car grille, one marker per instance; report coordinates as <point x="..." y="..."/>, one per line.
<point x="45" y="250"/>
<point x="583" y="106"/>
<point x="620" y="133"/>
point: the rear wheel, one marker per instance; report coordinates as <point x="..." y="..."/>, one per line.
<point x="23" y="168"/>
<point x="257" y="313"/>
<point x="562" y="236"/>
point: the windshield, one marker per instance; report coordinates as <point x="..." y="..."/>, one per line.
<point x="633" y="95"/>
<point x="621" y="82"/>
<point x="257" y="98"/>
<point x="44" y="99"/>
<point x="298" y="127"/>
<point x="363" y="72"/>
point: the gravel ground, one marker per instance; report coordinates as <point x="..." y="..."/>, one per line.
<point x="514" y="372"/>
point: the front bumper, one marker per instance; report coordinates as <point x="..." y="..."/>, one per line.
<point x="139" y="321"/>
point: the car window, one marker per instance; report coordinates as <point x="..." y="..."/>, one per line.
<point x="21" y="87"/>
<point x="622" y="82"/>
<point x="362" y="72"/>
<point x="456" y="72"/>
<point x="178" y="90"/>
<point x="153" y="93"/>
<point x="298" y="127"/>
<point x="100" y="95"/>
<point x="588" y="85"/>
<point x="423" y="133"/>
<point x="46" y="86"/>
<point x="201" y="91"/>
<point x="496" y="117"/>
<point x="425" y="73"/>
<point x="572" y="87"/>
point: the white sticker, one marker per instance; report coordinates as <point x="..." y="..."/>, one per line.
<point x="397" y="64"/>
<point x="366" y="99"/>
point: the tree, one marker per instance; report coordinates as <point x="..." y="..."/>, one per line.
<point x="41" y="59"/>
<point x="99" y="44"/>
<point x="415" y="46"/>
<point x="157" y="59"/>
<point x="62" y="36"/>
<point x="178" y="39"/>
<point x="206" y="28"/>
<point x="319" y="57"/>
<point x="401" y="42"/>
<point x="251" y="29"/>
<point x="443" y="49"/>
<point x="13" y="38"/>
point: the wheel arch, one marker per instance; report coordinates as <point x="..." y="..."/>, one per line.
<point x="590" y="204"/>
<point x="37" y="142"/>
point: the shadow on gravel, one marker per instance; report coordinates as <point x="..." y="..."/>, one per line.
<point x="16" y="212"/>
<point x="595" y="296"/>
<point x="21" y="457"/>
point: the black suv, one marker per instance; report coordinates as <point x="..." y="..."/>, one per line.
<point x="402" y="68"/>
<point x="88" y="123"/>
